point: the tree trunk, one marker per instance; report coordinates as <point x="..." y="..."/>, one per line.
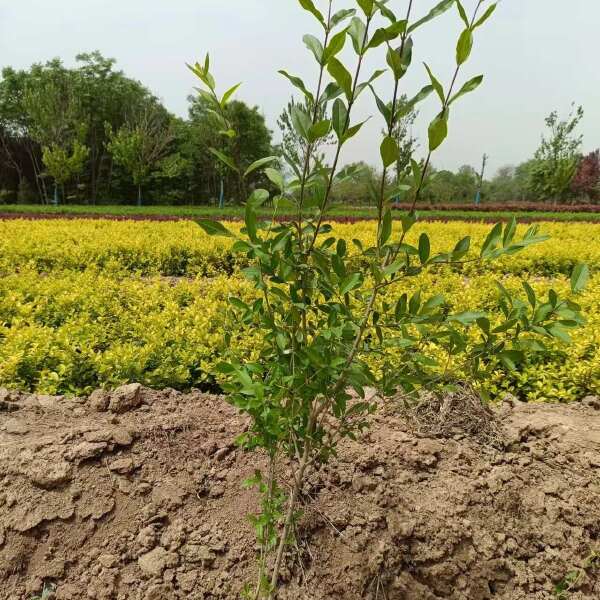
<point x="139" y="198"/>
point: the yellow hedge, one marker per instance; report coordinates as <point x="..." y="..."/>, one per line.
<point x="181" y="248"/>
<point x="73" y="331"/>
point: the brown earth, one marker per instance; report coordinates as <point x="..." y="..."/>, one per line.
<point x="136" y="495"/>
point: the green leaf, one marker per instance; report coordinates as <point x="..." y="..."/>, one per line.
<point x="437" y="86"/>
<point x="350" y="282"/>
<point x="462" y="248"/>
<point x="467" y="317"/>
<point x="486" y="15"/>
<point x="436" y="11"/>
<point x="276" y="177"/>
<point x="399" y="62"/>
<point x="258" y="198"/>
<point x="510" y="358"/>
<point x="416" y="170"/>
<point x="394" y="267"/>
<point x="463" y="13"/>
<point x="438" y="130"/>
<point x="224" y="159"/>
<point x="468" y="87"/>
<point x="556" y="331"/>
<point x="401" y="307"/>
<point x="357" y="32"/>
<point x="464" y="47"/>
<point x="319" y="130"/>
<point x="509" y="232"/>
<point x="492" y="240"/>
<point x="298" y="83"/>
<point x="353" y="130"/>
<point x="335" y="46"/>
<point x="390" y="153"/>
<point x="237" y="303"/>
<point x="342" y="15"/>
<point x="339" y="117"/>
<point x="367" y="6"/>
<point x="530" y="294"/>
<point x="405" y="107"/>
<point x="214" y="228"/>
<point x="227" y="95"/>
<point x="384" y="109"/>
<point x="424" y="248"/>
<point x="365" y="84"/>
<point x="301" y="121"/>
<point x="315" y="46"/>
<point x="386" y="227"/>
<point x="579" y="278"/>
<point x="387" y="34"/>
<point x="341" y="75"/>
<point x="408" y="221"/>
<point x="415" y="303"/>
<point x="309" y="6"/>
<point x="261" y="162"/>
<point x="433" y="303"/>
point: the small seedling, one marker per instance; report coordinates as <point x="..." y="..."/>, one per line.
<point x="573" y="578"/>
<point x="47" y="592"/>
<point x="325" y="305"/>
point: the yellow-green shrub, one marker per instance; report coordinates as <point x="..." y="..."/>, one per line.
<point x="73" y="331"/>
<point x="181" y="248"/>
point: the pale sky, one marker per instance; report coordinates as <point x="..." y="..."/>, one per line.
<point x="537" y="56"/>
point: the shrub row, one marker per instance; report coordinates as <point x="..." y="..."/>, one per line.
<point x="74" y="331"/>
<point x="506" y="207"/>
<point x="182" y="249"/>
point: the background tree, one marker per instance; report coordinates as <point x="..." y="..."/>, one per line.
<point x="140" y="145"/>
<point x="557" y="158"/>
<point x="293" y="145"/>
<point x="586" y="182"/>
<point x="252" y="140"/>
<point x="56" y="121"/>
<point x="358" y="186"/>
<point x="106" y="96"/>
<point x="443" y="187"/>
<point x="64" y="164"/>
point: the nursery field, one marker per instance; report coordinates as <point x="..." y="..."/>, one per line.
<point x="97" y="303"/>
<point x="136" y="491"/>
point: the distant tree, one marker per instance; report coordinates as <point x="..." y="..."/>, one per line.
<point x="56" y="121"/>
<point x="556" y="160"/>
<point x="140" y="145"/>
<point x="293" y="145"/>
<point x="445" y="186"/>
<point x="253" y="140"/>
<point x="586" y="182"/>
<point x="357" y="185"/>
<point x="49" y="105"/>
<point x="63" y="164"/>
<point x="107" y="96"/>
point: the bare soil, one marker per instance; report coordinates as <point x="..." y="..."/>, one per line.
<point x="137" y="495"/>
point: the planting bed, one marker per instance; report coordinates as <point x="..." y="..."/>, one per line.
<point x="136" y="495"/>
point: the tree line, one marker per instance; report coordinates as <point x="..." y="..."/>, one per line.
<point x="90" y="134"/>
<point x="558" y="172"/>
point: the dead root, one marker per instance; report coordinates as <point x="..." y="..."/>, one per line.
<point x="460" y="413"/>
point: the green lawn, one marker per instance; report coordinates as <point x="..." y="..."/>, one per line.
<point x="232" y="212"/>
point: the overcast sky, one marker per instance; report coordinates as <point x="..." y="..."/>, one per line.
<point x="537" y="56"/>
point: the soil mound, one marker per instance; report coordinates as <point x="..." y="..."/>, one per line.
<point x="136" y="495"/>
